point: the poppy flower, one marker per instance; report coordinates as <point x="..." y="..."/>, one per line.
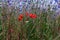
<point x="20" y="17"/>
<point x="33" y="16"/>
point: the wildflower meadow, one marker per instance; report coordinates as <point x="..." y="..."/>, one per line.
<point x="30" y="20"/>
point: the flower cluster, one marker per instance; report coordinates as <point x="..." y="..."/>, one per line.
<point x="20" y="17"/>
<point x="10" y="2"/>
<point x="31" y="15"/>
<point x="28" y="4"/>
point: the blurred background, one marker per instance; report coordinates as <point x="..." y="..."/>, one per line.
<point x="29" y="19"/>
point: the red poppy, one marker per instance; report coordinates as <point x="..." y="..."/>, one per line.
<point x="33" y="16"/>
<point x="20" y="17"/>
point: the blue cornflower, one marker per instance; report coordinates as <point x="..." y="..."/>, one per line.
<point x="24" y="0"/>
<point x="54" y="8"/>
<point x="51" y="2"/>
<point x="34" y="1"/>
<point x="56" y="0"/>
<point x="8" y="1"/>
<point x="21" y="11"/>
<point x="21" y="5"/>
<point x="58" y="6"/>
<point x="29" y="0"/>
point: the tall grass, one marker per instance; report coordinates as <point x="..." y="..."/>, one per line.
<point x="44" y="27"/>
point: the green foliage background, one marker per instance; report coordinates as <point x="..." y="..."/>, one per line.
<point x="41" y="28"/>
